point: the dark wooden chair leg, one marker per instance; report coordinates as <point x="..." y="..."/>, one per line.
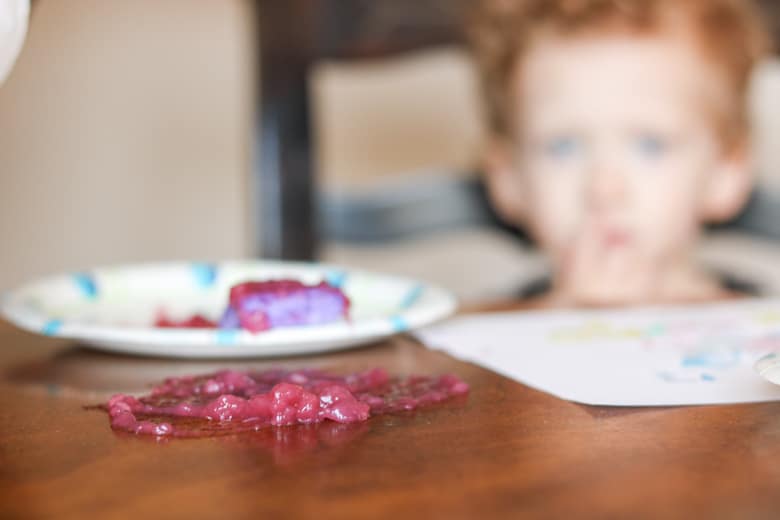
<point x="284" y="179"/>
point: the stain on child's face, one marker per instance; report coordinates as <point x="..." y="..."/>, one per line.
<point x="616" y="144"/>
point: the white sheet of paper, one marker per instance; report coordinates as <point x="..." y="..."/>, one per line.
<point x="652" y="356"/>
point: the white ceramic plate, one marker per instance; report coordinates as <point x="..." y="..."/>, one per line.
<point x="114" y="308"/>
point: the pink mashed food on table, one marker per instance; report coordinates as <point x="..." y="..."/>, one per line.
<point x="231" y="401"/>
<point x="259" y="306"/>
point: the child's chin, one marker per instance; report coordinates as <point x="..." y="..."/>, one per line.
<point x="589" y="299"/>
<point x="622" y="297"/>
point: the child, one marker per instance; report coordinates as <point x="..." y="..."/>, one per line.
<point x="618" y="128"/>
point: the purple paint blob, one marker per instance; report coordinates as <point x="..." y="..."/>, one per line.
<point x="262" y="305"/>
<point x="259" y="306"/>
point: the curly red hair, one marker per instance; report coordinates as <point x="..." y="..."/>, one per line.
<point x="728" y="32"/>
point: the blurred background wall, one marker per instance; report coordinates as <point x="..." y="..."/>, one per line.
<point x="124" y="135"/>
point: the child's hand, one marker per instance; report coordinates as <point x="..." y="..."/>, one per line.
<point x="605" y="267"/>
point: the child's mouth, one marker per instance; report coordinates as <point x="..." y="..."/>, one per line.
<point x="616" y="238"/>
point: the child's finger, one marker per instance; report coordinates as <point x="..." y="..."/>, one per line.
<point x="602" y="271"/>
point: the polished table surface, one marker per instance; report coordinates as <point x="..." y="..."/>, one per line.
<point x="504" y="450"/>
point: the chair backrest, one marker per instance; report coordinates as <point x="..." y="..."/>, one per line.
<point x="294" y="36"/>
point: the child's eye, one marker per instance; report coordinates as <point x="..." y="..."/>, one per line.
<point x="562" y="147"/>
<point x="651" y="146"/>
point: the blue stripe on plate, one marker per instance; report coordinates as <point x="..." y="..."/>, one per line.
<point x="336" y="278"/>
<point x="398" y="323"/>
<point x="227" y="336"/>
<point x="51" y="327"/>
<point x="205" y="274"/>
<point x="412" y="296"/>
<point x="86" y="284"/>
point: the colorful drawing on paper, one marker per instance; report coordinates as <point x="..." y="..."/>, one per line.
<point x="689" y="349"/>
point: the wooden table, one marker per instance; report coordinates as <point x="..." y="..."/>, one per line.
<point x="506" y="450"/>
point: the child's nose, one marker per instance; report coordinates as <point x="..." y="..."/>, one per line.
<point x="606" y="186"/>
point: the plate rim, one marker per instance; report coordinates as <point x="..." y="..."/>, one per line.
<point x="201" y="343"/>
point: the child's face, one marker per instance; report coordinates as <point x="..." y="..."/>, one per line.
<point x="617" y="159"/>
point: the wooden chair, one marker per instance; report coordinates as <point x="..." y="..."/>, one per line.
<point x="294" y="36"/>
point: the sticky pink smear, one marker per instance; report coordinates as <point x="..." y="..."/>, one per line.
<point x="232" y="402"/>
<point x="196" y="321"/>
<point x="290" y="445"/>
